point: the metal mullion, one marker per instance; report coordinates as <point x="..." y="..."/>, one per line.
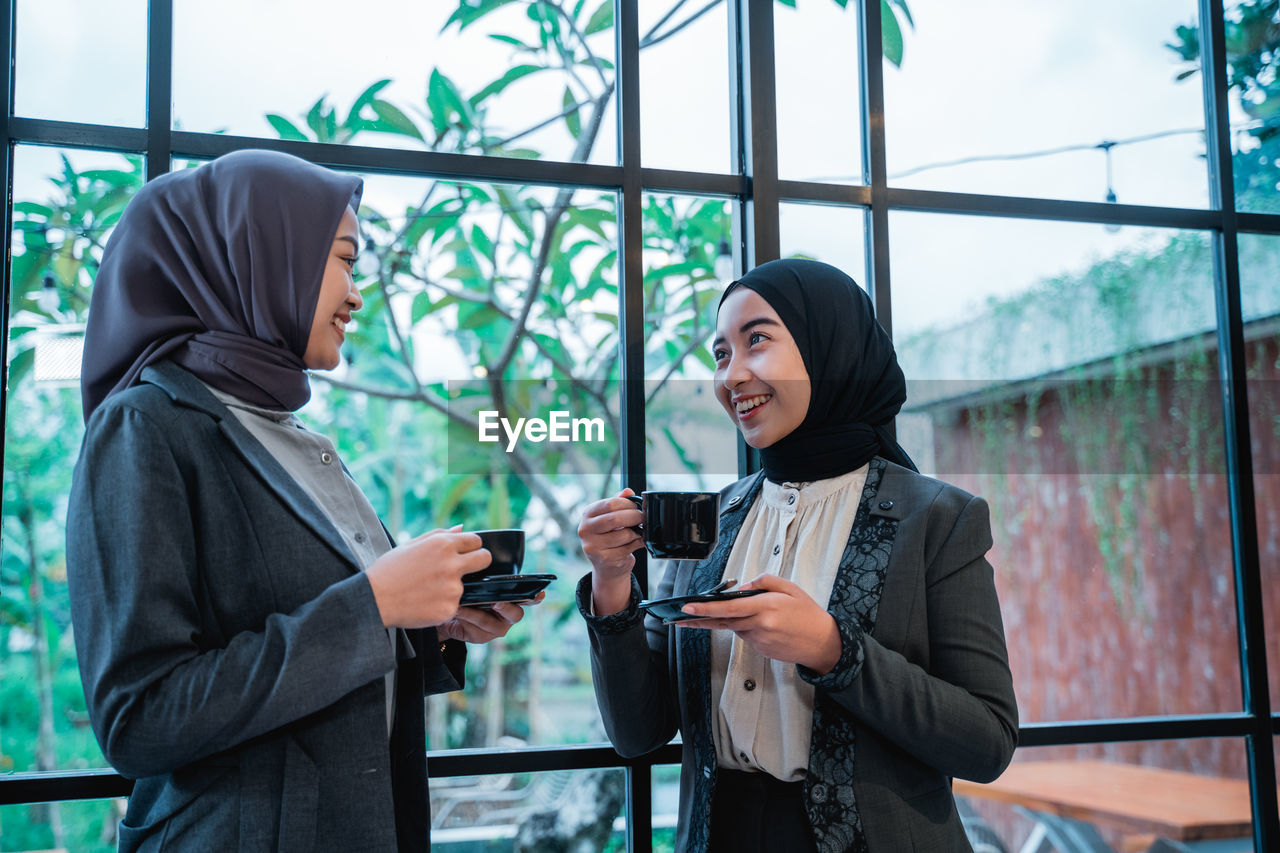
<point x="1062" y="210"/>
<point x="6" y="288"/>
<point x="739" y="151"/>
<point x="1125" y="730"/>
<point x="759" y="142"/>
<point x="809" y="192"/>
<point x="1258" y="223"/>
<point x="70" y="134"/>
<point x="45" y="786"/>
<point x="871" y="56"/>
<point x="400" y="161"/>
<point x="639" y="820"/>
<point x="692" y="183"/>
<point x="1246" y="561"/>
<point x="159" y="86"/>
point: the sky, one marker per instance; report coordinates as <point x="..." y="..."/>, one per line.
<point x="980" y="78"/>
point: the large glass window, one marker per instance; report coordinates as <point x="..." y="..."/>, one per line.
<point x="1062" y="358"/>
<point x="1071" y="383"/>
<point x="820" y="103"/>
<point x="1260" y="294"/>
<point x="684" y="86"/>
<point x="82" y="62"/>
<point x="504" y="79"/>
<point x="67" y="203"/>
<point x="1030" y="101"/>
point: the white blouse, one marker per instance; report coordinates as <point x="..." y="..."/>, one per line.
<point x="764" y="710"/>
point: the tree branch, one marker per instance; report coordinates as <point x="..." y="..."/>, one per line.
<point x="650" y="39"/>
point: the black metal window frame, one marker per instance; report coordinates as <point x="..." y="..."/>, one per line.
<point x="756" y="192"/>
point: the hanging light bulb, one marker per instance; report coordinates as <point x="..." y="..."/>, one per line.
<point x="1110" y="227"/>
<point x="723" y="264"/>
<point x="48" y="298"/>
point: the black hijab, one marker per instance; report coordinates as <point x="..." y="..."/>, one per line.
<point x="219" y="269"/>
<point x="856" y="385"/>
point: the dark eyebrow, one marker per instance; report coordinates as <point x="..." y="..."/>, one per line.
<point x="352" y="240"/>
<point x="746" y="327"/>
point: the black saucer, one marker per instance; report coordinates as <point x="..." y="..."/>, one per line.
<point x="668" y="609"/>
<point x="497" y="588"/>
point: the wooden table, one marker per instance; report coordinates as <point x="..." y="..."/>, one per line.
<point x="1167" y="804"/>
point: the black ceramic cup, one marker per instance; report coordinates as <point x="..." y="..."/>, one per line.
<point x="679" y="525"/>
<point x="507" y="548"/>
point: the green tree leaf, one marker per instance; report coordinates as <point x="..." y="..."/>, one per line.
<point x="571" y="118"/>
<point x="504" y="81"/>
<point x="890" y="34"/>
<point x="601" y="19"/>
<point x="392" y="120"/>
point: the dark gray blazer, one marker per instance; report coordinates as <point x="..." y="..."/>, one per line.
<point x="922" y="691"/>
<point x="231" y="651"/>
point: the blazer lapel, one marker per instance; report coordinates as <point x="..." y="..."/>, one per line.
<point x="185" y="389"/>
<point x="830" y="800"/>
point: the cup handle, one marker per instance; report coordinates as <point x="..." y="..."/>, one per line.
<point x="639" y="502"/>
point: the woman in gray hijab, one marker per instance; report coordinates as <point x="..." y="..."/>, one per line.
<point x="254" y="650"/>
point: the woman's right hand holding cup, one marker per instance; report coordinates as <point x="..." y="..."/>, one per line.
<point x="610" y="538"/>
<point x="419" y="584"/>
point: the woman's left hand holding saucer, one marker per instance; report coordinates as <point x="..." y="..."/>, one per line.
<point x="482" y="624"/>
<point x="784" y="624"/>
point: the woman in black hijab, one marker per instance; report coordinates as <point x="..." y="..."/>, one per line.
<point x="253" y="649"/>
<point x="829" y="710"/>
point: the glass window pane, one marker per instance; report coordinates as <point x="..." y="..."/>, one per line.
<point x="66" y="203"/>
<point x="819" y="104"/>
<point x="521" y="80"/>
<point x="81" y="825"/>
<point x="684" y="86"/>
<point x="1126" y="796"/>
<point x="83" y="62"/>
<point x="1253" y="60"/>
<point x="1260" y="294"/>
<point x="551" y="810"/>
<point x="449" y="269"/>
<point x="1067" y="375"/>
<point x="834" y="235"/>
<point x="666" y="805"/>
<point x="1037" y="99"/>
<point x="690" y="441"/>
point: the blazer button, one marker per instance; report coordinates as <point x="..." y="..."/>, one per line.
<point x="326" y="457"/>
<point x="734" y="501"/>
<point x="749" y="684"/>
<point x="886" y="504"/>
<point x="818" y="793"/>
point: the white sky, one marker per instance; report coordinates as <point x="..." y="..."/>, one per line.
<point x="980" y="78"/>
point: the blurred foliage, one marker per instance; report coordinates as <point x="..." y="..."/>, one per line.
<point x="1252" y="30"/>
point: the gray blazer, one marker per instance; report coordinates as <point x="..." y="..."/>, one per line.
<point x="231" y="650"/>
<point x="922" y="691"/>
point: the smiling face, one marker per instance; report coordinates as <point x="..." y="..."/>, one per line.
<point x="760" y="376"/>
<point x="339" y="298"/>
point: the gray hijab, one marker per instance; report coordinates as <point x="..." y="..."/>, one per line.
<point x="217" y="268"/>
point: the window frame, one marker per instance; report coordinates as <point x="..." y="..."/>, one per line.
<point x="756" y="192"/>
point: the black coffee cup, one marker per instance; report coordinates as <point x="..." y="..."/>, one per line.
<point x="679" y="525"/>
<point x="507" y="548"/>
